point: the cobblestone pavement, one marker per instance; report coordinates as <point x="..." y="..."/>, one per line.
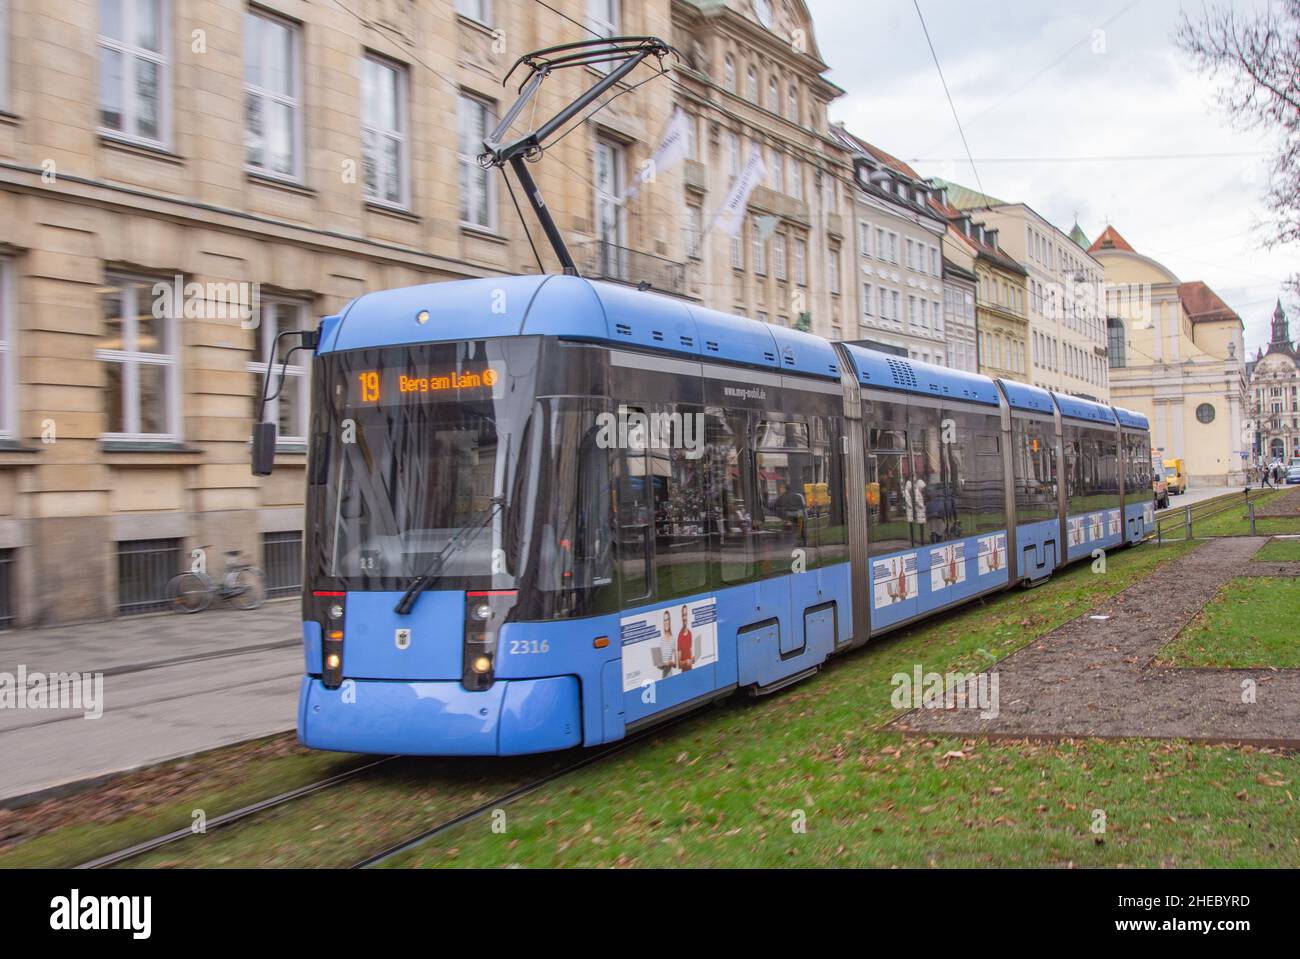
<point x="173" y="685"/>
<point x="1093" y="676"/>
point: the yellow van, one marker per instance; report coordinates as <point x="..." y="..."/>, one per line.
<point x="1176" y="476"/>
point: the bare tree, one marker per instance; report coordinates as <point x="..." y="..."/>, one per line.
<point x="1255" y="56"/>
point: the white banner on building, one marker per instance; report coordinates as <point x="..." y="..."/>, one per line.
<point x="670" y="152"/>
<point x="731" y="215"/>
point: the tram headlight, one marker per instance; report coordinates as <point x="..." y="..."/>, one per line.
<point x="485" y="611"/>
<point x="327" y="607"/>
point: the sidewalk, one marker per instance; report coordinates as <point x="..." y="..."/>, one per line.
<point x="173" y="685"/>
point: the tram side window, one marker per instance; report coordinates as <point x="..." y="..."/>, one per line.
<point x="936" y="470"/>
<point x="1035" y="471"/>
<point x="784" y="472"/>
<point x="828" y="492"/>
<point x="677" y="489"/>
<point x="979" y="489"/>
<point x="1108" y="467"/>
<point x="730" y="504"/>
<point x="632" y="540"/>
<point x="887" y="473"/>
<point x="574" y="558"/>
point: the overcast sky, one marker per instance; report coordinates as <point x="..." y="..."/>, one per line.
<point x="1028" y="84"/>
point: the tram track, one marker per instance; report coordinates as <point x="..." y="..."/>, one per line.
<point x="529" y="786"/>
<point x="600" y="754"/>
<point x="234" y="816"/>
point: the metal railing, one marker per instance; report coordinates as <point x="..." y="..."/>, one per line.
<point x="144" y="568"/>
<point x="1180" y="523"/>
<point x="282" y="562"/>
<point x="601" y="260"/>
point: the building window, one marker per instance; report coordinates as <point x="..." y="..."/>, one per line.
<point x="778" y="257"/>
<point x="751" y="85"/>
<point x="289" y="409"/>
<point x="282" y="562"/>
<point x="478" y="207"/>
<point x="1205" y="413"/>
<point x="4" y="54"/>
<point x="604" y="20"/>
<point x="133" y="69"/>
<point x="758" y="249"/>
<point x="737" y="252"/>
<point x="833" y="269"/>
<point x="383" y="130"/>
<point x="733" y="154"/>
<point x="778" y="170"/>
<point x="139" y="354"/>
<point x="864" y="238"/>
<point x="801" y="262"/>
<point x="796" y="179"/>
<point x="609" y="182"/>
<point x="693" y="232"/>
<point x="866" y="299"/>
<point x="1115" y="342"/>
<point x="773" y="96"/>
<point x="8" y="323"/>
<point x="792" y="104"/>
<point x="7" y="610"/>
<point x="272" y="92"/>
<point x="729" y="74"/>
<point x="480" y="10"/>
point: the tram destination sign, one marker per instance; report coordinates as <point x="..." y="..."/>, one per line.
<point x="387" y="386"/>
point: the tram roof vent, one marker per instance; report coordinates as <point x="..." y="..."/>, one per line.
<point x="711" y="345"/>
<point x="658" y="335"/>
<point x="901" y="372"/>
<point x="688" y="341"/>
<point x="769" y="356"/>
<point x="834" y="368"/>
<point x="623" y="329"/>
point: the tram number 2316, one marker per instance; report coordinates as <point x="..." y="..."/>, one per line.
<point x="528" y="647"/>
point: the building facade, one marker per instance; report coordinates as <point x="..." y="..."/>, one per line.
<point x="1001" y="326"/>
<point x="751" y="85"/>
<point x="1274" y="396"/>
<point x="959" y="315"/>
<point x="897" y="241"/>
<point x="1176" y="354"/>
<point x="1067" y="331"/>
<point x="160" y="162"/>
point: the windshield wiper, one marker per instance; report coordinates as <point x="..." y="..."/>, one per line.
<point x="423" y="581"/>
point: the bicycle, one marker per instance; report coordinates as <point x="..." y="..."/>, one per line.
<point x="242" y="585"/>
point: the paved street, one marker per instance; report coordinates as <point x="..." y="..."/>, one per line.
<point x="173" y="685"/>
<point x="1198" y="493"/>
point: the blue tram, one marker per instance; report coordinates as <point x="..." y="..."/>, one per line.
<point x="544" y="511"/>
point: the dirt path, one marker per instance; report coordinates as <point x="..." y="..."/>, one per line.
<point x="1282" y="506"/>
<point x="1093" y="677"/>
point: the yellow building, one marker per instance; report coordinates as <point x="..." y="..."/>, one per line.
<point x="1176" y="354"/>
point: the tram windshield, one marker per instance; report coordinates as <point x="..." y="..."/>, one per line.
<point x="414" y="451"/>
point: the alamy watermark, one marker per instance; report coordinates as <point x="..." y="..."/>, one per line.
<point x="24" y="690"/>
<point x="630" y="429"/>
<point x="921" y="690"/>
<point x="208" y="301"/>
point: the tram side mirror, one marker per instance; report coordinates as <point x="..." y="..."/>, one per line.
<point x="263" y="448"/>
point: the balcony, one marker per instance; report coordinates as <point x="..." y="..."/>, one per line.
<point x="599" y="260"/>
